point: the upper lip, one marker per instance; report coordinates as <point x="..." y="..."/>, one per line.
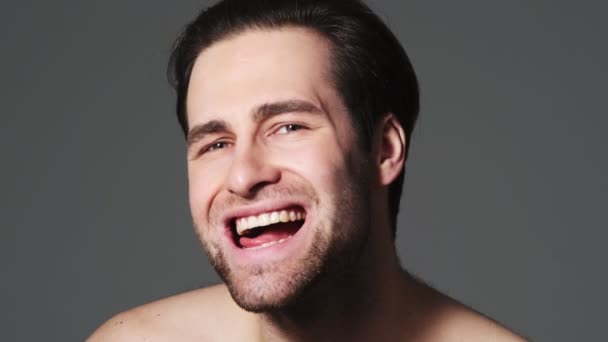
<point x="258" y="208"/>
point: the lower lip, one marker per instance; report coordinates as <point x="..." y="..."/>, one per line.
<point x="277" y="251"/>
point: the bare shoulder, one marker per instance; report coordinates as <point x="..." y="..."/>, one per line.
<point x="440" y="318"/>
<point x="456" y="322"/>
<point x="472" y="326"/>
<point x="196" y="315"/>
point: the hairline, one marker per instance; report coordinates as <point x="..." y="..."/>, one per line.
<point x="329" y="73"/>
<point x="362" y="122"/>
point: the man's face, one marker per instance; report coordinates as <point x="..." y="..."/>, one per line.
<point x="279" y="187"/>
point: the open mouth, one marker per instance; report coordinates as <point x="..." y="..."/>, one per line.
<point x="267" y="229"/>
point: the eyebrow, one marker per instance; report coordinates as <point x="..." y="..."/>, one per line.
<point x="260" y="113"/>
<point x="198" y="132"/>
<point x="269" y="110"/>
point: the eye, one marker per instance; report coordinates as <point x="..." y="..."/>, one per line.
<point x="286" y="129"/>
<point x="218" y="145"/>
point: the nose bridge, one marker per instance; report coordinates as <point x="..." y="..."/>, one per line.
<point x="250" y="169"/>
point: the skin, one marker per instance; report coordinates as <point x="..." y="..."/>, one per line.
<point x="296" y="153"/>
<point x="338" y="278"/>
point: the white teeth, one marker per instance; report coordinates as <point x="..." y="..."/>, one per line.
<point x="274" y="217"/>
<point x="283" y="216"/>
<point x="245" y="223"/>
<point x="264" y="220"/>
<point x="252" y="221"/>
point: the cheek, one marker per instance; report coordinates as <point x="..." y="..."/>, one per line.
<point x="203" y="185"/>
<point x="320" y="163"/>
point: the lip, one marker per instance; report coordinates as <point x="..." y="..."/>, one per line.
<point x="285" y="252"/>
<point x="280" y="251"/>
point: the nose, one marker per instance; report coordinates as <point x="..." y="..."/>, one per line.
<point x="250" y="171"/>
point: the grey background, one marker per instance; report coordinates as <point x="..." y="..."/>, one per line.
<point x="505" y="194"/>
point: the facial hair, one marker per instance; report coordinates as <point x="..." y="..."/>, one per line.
<point x="338" y="242"/>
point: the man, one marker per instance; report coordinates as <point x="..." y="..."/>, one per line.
<point x="298" y="116"/>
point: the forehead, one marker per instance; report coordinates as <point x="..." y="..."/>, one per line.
<point x="259" y="66"/>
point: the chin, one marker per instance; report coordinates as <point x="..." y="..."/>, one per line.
<point x="260" y="297"/>
<point x="275" y="286"/>
<point x="287" y="275"/>
<point x="272" y="288"/>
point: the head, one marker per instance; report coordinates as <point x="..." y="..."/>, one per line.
<point x="285" y="105"/>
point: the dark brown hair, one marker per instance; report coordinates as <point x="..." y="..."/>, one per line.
<point x="370" y="68"/>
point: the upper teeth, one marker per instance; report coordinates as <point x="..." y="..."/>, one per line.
<point x="246" y="223"/>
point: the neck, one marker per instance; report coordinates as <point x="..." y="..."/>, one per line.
<point x="359" y="305"/>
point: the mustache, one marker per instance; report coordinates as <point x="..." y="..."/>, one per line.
<point x="229" y="200"/>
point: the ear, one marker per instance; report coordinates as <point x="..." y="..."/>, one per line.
<point x="391" y="149"/>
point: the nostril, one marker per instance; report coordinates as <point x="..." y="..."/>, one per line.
<point x="250" y="172"/>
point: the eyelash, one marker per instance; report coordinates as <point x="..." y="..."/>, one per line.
<point x="292" y="125"/>
<point x="214" y="146"/>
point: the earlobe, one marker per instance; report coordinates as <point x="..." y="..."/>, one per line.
<point x="391" y="149"/>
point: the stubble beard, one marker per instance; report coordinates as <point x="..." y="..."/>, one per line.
<point x="334" y="254"/>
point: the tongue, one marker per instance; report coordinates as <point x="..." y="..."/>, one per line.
<point x="274" y="232"/>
